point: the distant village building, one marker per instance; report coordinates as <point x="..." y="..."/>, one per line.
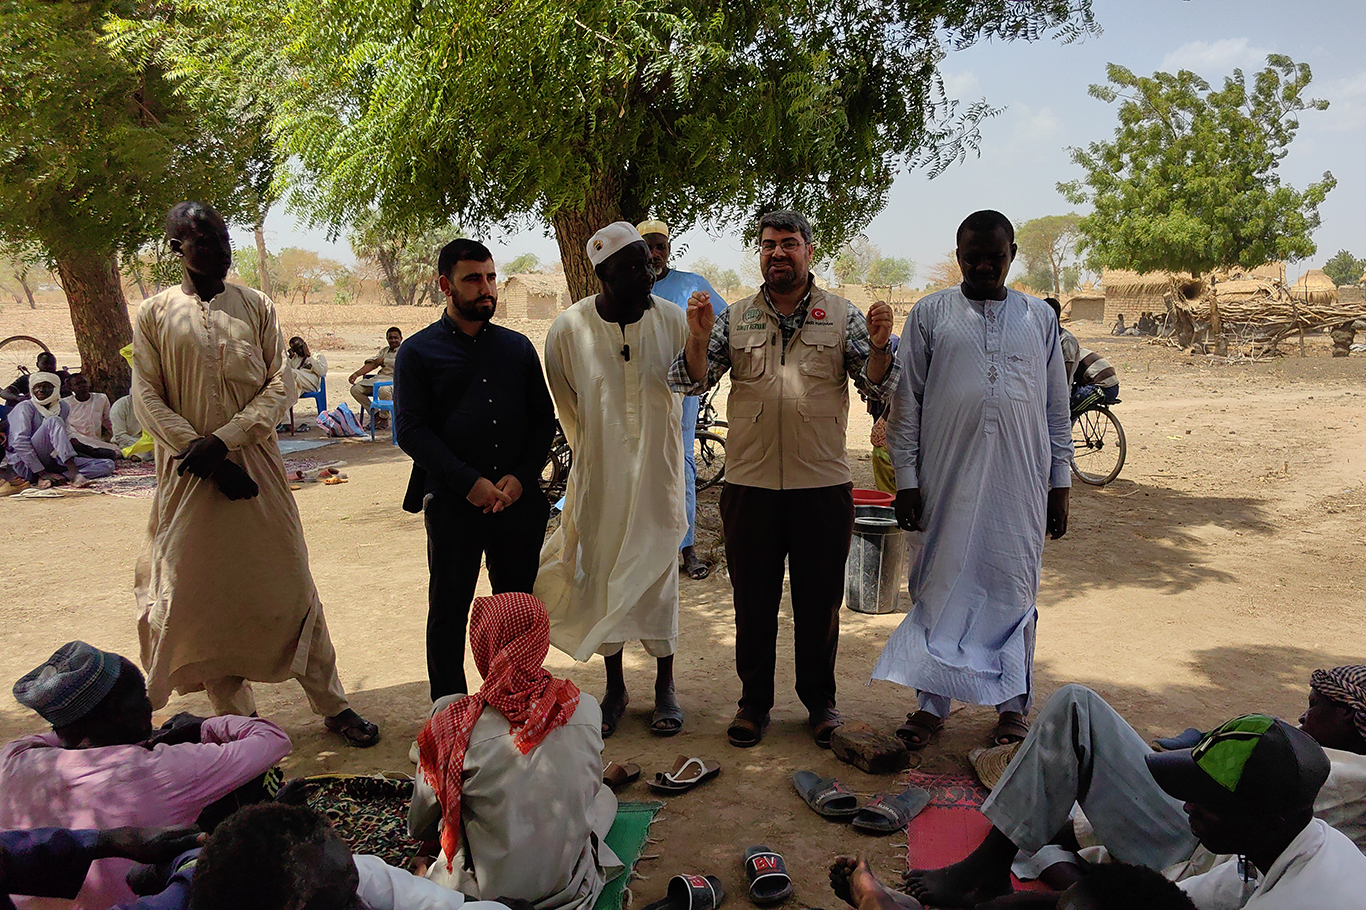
<point x="1087" y="304"/>
<point x="534" y="296"/>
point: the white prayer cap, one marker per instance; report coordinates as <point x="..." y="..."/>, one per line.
<point x="616" y="236"/>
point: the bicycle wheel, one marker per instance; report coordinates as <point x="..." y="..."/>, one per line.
<point x="19" y="353"/>
<point x="709" y="456"/>
<point x="1097" y="446"/>
<point x="555" y="474"/>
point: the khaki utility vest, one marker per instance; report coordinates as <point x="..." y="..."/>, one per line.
<point x="788" y="408"/>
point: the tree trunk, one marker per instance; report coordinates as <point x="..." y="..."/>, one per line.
<point x="99" y="314"/>
<point x="28" y="291"/>
<point x="574" y="228"/>
<point x="262" y="267"/>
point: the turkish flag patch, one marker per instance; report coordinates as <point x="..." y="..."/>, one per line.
<point x="818" y="313"/>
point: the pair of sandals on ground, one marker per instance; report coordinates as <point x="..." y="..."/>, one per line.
<point x="766" y="870"/>
<point x="885" y="813"/>
<point x="921" y="727"/>
<point x="745" y="731"/>
<point x="686" y="773"/>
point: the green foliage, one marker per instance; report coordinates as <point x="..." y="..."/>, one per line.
<point x="1189" y="183"/>
<point x="527" y="262"/>
<point x="890" y="272"/>
<point x="405" y="256"/>
<point x="93" y="149"/>
<point x="248" y="269"/>
<point x="1344" y="268"/>
<point x="721" y="279"/>
<point x="699" y="111"/>
<point x="304" y="272"/>
<point x="1046" y="246"/>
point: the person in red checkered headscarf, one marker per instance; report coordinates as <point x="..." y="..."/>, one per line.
<point x="514" y="771"/>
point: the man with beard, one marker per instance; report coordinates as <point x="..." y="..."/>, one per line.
<point x="981" y="441"/>
<point x="791" y="350"/>
<point x="609" y="574"/>
<point x="473" y="411"/>
<point x="223" y="583"/>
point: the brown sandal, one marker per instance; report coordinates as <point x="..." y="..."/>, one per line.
<point x="919" y="729"/>
<point x="1011" y="727"/>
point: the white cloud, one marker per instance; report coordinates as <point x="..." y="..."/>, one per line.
<point x="1346" y="104"/>
<point x="1035" y="127"/>
<point x="1215" y="59"/>
<point x="963" y="86"/>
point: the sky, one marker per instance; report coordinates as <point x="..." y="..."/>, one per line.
<point x="1043" y="88"/>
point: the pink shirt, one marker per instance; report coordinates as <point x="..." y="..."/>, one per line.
<point x="42" y="784"/>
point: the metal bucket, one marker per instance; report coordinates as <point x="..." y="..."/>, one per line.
<point x="876" y="567"/>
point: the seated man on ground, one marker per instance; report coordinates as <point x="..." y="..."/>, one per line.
<point x="511" y="776"/>
<point x="1116" y="886"/>
<point x="1081" y="751"/>
<point x="127" y="431"/>
<point x="362" y="385"/>
<point x="18" y="390"/>
<point x="53" y="862"/>
<point x="103" y="767"/>
<point x="308" y="368"/>
<point x="90" y="420"/>
<point x="278" y="857"/>
<point x="41" y="445"/>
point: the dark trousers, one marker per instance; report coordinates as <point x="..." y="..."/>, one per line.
<point x="458" y="534"/>
<point x="811" y="530"/>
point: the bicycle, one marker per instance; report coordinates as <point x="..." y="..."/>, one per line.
<point x="709" y="446"/>
<point x="1098" y="447"/>
<point x="555" y="474"/>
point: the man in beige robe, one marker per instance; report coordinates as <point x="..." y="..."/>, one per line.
<point x="223" y="582"/>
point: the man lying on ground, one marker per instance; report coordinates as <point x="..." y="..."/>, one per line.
<point x="1117" y="886"/>
<point x="42" y="447"/>
<point x="1081" y="751"/>
<point x="102" y="766"/>
<point x="53" y="862"/>
<point x="277" y="857"/>
<point x="511" y="776"/>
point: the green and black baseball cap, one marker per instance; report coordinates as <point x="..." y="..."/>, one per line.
<point x="1254" y="762"/>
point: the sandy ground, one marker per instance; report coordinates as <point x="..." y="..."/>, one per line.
<point x="1223" y="565"/>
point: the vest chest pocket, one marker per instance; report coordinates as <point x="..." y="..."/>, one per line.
<point x="748" y="354"/>
<point x="820" y="354"/>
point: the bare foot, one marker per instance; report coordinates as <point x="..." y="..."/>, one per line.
<point x="854" y="883"/>
<point x="964" y="884"/>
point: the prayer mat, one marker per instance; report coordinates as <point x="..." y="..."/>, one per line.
<point x="138" y="479"/>
<point x="630" y="830"/>
<point x="291" y="446"/>
<point x="369" y="813"/>
<point x="951" y="826"/>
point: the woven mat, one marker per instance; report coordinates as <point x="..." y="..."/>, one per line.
<point x="370" y="814"/>
<point x="627" y="839"/>
<point x="138" y="479"/>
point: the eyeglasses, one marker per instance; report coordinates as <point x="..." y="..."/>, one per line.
<point x="788" y="245"/>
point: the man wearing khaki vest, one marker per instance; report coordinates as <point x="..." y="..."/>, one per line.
<point x="791" y="350"/>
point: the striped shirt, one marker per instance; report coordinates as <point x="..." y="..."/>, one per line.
<point x="1094" y="369"/>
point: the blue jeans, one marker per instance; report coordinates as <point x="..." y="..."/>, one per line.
<point x="691" y="406"/>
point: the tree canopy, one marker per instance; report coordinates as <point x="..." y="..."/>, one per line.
<point x="574" y="113"/>
<point x="405" y="255"/>
<point x="1190" y="181"/>
<point x="1344" y="268"/>
<point x="1047" y="246"/>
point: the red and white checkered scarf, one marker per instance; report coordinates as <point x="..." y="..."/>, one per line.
<point x="1346" y="686"/>
<point x="509" y="637"/>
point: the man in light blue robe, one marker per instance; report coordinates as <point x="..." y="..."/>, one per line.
<point x="678" y="285"/>
<point x="980" y="438"/>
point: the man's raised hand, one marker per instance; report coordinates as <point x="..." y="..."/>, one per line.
<point x="880" y="324"/>
<point x="701" y="318"/>
<point x="487" y="496"/>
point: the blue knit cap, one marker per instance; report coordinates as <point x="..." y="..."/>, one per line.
<point x="70" y="683"/>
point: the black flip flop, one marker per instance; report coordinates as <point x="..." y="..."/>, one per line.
<point x="826" y="796"/>
<point x="769" y="882"/>
<point x="672" y="712"/>
<point x="612" y="721"/>
<point x="686" y="774"/>
<point x="691" y="892"/>
<point x="745" y="733"/>
<point x="888" y="813"/>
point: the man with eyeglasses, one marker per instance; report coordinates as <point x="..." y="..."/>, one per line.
<point x="791" y="350"/>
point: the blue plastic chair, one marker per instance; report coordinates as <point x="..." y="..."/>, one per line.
<point x="377" y="405"/>
<point x="319" y="399"/>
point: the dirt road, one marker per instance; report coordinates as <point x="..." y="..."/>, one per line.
<point x="1223" y="565"/>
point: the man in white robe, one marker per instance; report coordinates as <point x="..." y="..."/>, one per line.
<point x="89" y="420"/>
<point x="609" y="572"/>
<point x="980" y="437"/>
<point x="223" y="583"/>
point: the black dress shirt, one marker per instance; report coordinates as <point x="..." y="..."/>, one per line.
<point x="470" y="407"/>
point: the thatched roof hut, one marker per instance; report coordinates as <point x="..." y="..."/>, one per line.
<point x="1133" y="294"/>
<point x="1087" y="303"/>
<point x="1314" y="286"/>
<point x="534" y="296"/>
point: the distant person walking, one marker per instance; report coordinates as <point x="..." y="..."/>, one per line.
<point x="223" y="582"/>
<point x="678" y="285"/>
<point x="790" y="350"/>
<point x="980" y="439"/>
<point x="609" y="573"/>
<point x="474" y="413"/>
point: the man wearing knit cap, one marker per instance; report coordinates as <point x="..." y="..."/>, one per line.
<point x="678" y="285"/>
<point x="609" y="573"/>
<point x="42" y="446"/>
<point x="103" y="766"/>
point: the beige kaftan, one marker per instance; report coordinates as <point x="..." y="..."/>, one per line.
<point x="609" y="573"/>
<point x="223" y="587"/>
